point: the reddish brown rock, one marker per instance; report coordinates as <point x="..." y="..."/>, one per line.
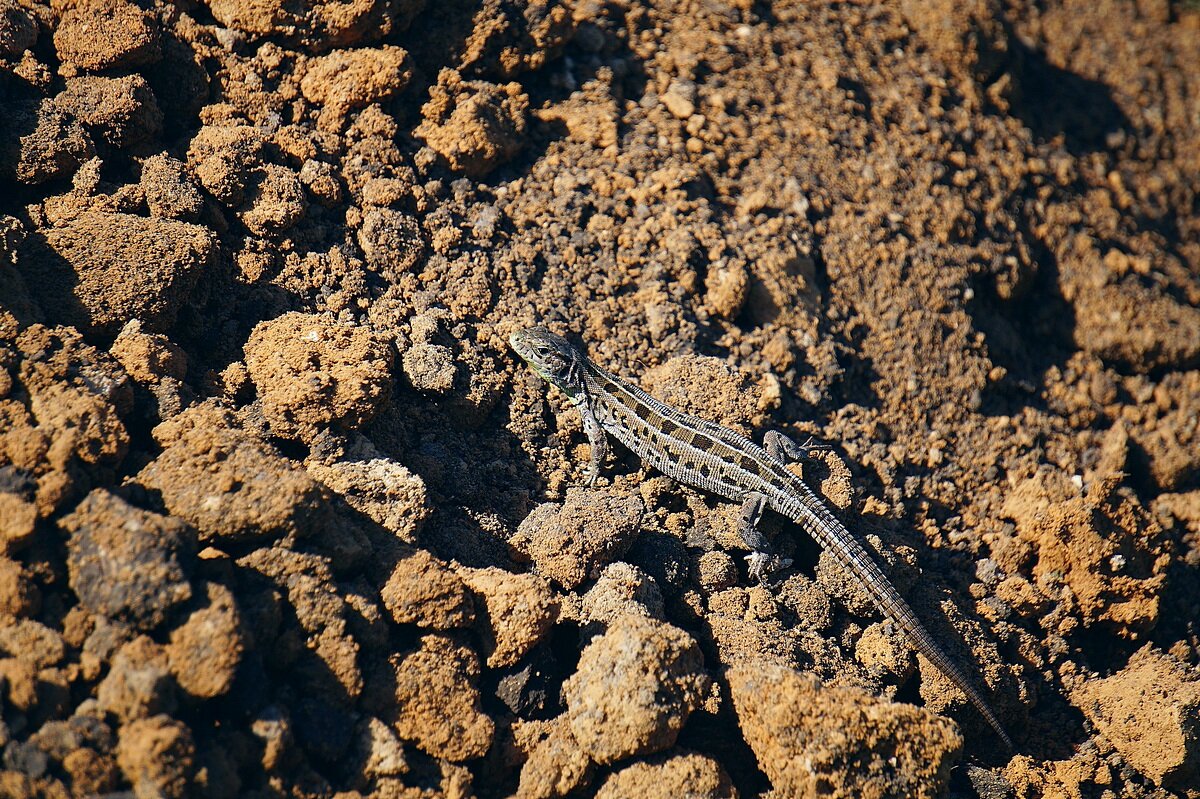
<point x="18" y="30"/>
<point x="970" y="37"/>
<point x="557" y="765"/>
<point x="17" y="785"/>
<point x="80" y="270"/>
<point x="120" y="111"/>
<point x="313" y="373"/>
<point x="883" y="650"/>
<point x="33" y="642"/>
<point x="811" y="739"/>
<point x="170" y="189"/>
<point x="506" y="40"/>
<point x="71" y="427"/>
<point x="573" y="542"/>
<point x="104" y="34"/>
<point x="90" y="772"/>
<point x="717" y="571"/>
<point x="437" y="700"/>
<point x="157" y="755"/>
<point x="39" y="141"/>
<point x="1168" y="438"/>
<point x="474" y="125"/>
<point x="1137" y="328"/>
<point x="1150" y="711"/>
<point x="709" y="388"/>
<point x="322" y="182"/>
<point x="622" y="589"/>
<point x="1102" y="546"/>
<point x="322" y="615"/>
<point x="205" y="650"/>
<point x="386" y="491"/>
<point x="20" y="683"/>
<point x="347" y="79"/>
<point x="148" y="357"/>
<point x="1074" y="778"/>
<point x="422" y="590"/>
<point x="393" y="243"/>
<point x="206" y="455"/>
<point x="18" y="516"/>
<point x="695" y="776"/>
<point x="318" y="25"/>
<point x="274" y="202"/>
<point x="19" y="595"/>
<point x="634" y="689"/>
<point x="225" y="159"/>
<point x="727" y="289"/>
<point x="517" y="611"/>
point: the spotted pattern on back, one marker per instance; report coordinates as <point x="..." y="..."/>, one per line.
<point x="716" y="459"/>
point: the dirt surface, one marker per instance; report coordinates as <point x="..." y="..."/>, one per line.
<point x="282" y="516"/>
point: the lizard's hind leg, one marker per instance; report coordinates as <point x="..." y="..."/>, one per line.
<point x="761" y="559"/>
<point x="783" y="448"/>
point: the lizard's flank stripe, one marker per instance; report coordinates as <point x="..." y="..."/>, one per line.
<point x="716" y="459"/>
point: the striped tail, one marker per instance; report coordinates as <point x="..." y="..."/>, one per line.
<point x="830" y="534"/>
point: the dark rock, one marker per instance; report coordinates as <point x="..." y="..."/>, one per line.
<point x="127" y="563"/>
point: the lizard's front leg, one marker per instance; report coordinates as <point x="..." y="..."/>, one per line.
<point x="761" y="559"/>
<point x="597" y="440"/>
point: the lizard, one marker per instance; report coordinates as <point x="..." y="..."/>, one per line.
<point x="720" y="461"/>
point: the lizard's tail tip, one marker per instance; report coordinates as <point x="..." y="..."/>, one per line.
<point x="1001" y="733"/>
<point x="993" y="721"/>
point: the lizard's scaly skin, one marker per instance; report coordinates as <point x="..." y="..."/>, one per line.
<point x="713" y="458"/>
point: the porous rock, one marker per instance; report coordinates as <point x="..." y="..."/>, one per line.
<point x="438" y="701"/>
<point x="815" y="740"/>
<point x="127" y="563"/>
<point x="573" y="542"/>
<point x="81" y="269"/>
<point x="312" y="373"/>
<point x="635" y="688"/>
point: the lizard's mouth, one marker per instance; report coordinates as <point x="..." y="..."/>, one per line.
<point x="548" y="357"/>
<point x="520" y="346"/>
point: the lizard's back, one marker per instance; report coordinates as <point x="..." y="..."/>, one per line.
<point x="714" y="458"/>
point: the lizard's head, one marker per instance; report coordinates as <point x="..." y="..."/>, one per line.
<point x="553" y="357"/>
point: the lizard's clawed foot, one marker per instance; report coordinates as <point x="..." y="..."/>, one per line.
<point x="780" y="446"/>
<point x="594" y="477"/>
<point x="763" y="565"/>
<point x="811" y="445"/>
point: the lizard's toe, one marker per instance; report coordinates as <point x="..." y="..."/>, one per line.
<point x="759" y="565"/>
<point x="763" y="565"/>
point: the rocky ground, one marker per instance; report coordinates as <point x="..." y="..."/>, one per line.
<point x="281" y="515"/>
